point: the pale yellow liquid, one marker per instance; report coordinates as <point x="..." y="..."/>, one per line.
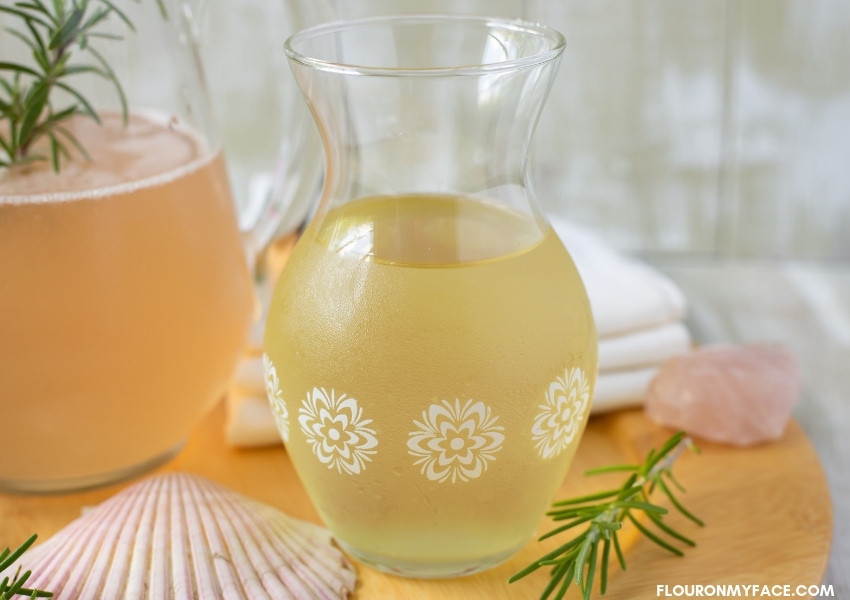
<point x="404" y="302"/>
<point x="124" y="304"/>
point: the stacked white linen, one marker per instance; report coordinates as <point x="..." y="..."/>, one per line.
<point x="637" y="310"/>
<point x="638" y="314"/>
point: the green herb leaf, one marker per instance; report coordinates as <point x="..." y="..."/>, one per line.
<point x="563" y="528"/>
<point x="5" y="66"/>
<point x="87" y="108"/>
<point x="24" y="15"/>
<point x="36" y="100"/>
<point x="68" y="31"/>
<point x="21" y="37"/>
<point x="588" y="498"/>
<point x="54" y="152"/>
<point x="670" y="531"/>
<point x="676" y="503"/>
<point x="603" y="571"/>
<point x="620" y="558"/>
<point x="611" y="469"/>
<point x="120" y="14"/>
<point x="76" y="143"/>
<point x="110" y="74"/>
<point x="591" y="571"/>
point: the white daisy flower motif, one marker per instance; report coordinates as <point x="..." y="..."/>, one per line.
<point x="454" y="442"/>
<point x="275" y="396"/>
<point x="560" y="419"/>
<point x="336" y="431"/>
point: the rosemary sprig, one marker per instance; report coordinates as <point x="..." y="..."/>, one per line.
<point x="54" y="32"/>
<point x="15" y="586"/>
<point x="577" y="560"/>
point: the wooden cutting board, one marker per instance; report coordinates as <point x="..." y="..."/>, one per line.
<point x="767" y="512"/>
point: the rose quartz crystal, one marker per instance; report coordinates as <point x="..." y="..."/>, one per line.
<point x="740" y="395"/>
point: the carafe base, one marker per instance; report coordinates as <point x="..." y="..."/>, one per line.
<point x="86" y="482"/>
<point x="431" y="569"/>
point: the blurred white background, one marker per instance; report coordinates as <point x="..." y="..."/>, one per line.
<point x="709" y="128"/>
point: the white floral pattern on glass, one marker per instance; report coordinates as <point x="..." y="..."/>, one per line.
<point x="454" y="442"/>
<point x="560" y="419"/>
<point x="336" y="431"/>
<point x="279" y="410"/>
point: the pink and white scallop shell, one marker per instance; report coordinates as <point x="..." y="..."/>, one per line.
<point x="182" y="537"/>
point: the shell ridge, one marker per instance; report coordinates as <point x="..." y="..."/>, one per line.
<point x="55" y="557"/>
<point x="294" y="562"/>
<point x="126" y="556"/>
<point x="159" y="573"/>
<point x="326" y="566"/>
<point x="242" y="556"/>
<point x="291" y="527"/>
<point x="274" y="570"/>
<point x="307" y="581"/>
<point x="308" y="536"/>
<point x="91" y="541"/>
<point x="314" y="574"/>
<point x="50" y="567"/>
<point x="180" y="550"/>
<point x="116" y="576"/>
<point x="225" y="574"/>
<point x="112" y="535"/>
<point x="206" y="581"/>
<point x="40" y="560"/>
<point x="278" y="572"/>
<point x="308" y="577"/>
<point x="40" y="556"/>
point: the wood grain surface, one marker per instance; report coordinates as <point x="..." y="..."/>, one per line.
<point x="767" y="512"/>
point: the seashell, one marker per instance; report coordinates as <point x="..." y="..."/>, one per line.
<point x="178" y="536"/>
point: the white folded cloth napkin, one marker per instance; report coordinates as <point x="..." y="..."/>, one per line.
<point x="625" y="294"/>
<point x="250" y="423"/>
<point x="621" y="389"/>
<point x="642" y="348"/>
<point x="637" y="311"/>
<point x="627" y="363"/>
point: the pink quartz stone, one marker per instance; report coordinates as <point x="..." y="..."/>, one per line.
<point x="740" y="395"/>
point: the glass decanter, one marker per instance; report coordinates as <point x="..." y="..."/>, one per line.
<point x="430" y="350"/>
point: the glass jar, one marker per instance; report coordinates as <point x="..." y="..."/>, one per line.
<point x="125" y="298"/>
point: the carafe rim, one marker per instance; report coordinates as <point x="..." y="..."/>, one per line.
<point x="556" y="45"/>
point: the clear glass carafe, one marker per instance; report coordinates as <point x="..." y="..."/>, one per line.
<point x="125" y="295"/>
<point x="430" y="351"/>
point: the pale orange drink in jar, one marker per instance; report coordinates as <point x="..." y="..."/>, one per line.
<point x="124" y="302"/>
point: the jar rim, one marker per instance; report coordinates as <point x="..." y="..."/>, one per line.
<point x="556" y="46"/>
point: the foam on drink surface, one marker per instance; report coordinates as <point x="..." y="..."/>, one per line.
<point x="150" y="150"/>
